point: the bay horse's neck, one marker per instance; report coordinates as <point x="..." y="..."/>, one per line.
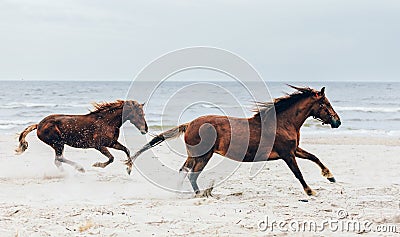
<point x="112" y="117"/>
<point x="297" y="113"/>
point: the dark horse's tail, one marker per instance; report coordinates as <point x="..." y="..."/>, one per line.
<point x="23" y="144"/>
<point x="167" y="135"/>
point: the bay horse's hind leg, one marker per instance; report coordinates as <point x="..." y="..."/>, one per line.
<point x="198" y="165"/>
<point x="306" y="155"/>
<point x="60" y="158"/>
<point x="107" y="153"/>
<point x="291" y="162"/>
<point x="183" y="173"/>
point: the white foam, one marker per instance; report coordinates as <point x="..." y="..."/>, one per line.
<point x="368" y="109"/>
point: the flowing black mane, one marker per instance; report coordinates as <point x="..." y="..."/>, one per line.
<point x="282" y="103"/>
<point x="101" y="107"/>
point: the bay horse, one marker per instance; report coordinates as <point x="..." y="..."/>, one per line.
<point x="99" y="129"/>
<point x="291" y="111"/>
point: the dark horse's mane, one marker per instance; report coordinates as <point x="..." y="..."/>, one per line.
<point x="282" y="103"/>
<point x="101" y="107"/>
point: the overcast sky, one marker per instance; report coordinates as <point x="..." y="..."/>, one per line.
<point x="284" y="40"/>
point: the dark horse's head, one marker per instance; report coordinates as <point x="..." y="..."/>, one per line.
<point x="322" y="109"/>
<point x="133" y="111"/>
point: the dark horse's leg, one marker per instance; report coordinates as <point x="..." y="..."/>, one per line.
<point x="59" y="153"/>
<point x="50" y="134"/>
<point x="119" y="146"/>
<point x="291" y="162"/>
<point x="306" y="155"/>
<point x="105" y="152"/>
<point x="59" y="148"/>
<point x="196" y="165"/>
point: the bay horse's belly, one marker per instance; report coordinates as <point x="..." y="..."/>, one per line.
<point x="234" y="138"/>
<point x="251" y="155"/>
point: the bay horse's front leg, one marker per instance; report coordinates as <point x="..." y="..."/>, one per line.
<point x="306" y="155"/>
<point x="291" y="162"/>
<point x="105" y="152"/>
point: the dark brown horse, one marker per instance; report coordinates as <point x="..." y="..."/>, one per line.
<point x="291" y="111"/>
<point x="99" y="129"/>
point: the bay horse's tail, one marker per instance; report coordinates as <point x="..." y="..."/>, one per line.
<point x="23" y="144"/>
<point x="167" y="135"/>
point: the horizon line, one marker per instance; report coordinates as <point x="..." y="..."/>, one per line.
<point x="191" y="80"/>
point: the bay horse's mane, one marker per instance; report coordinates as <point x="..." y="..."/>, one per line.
<point x="282" y="103"/>
<point x="101" y="107"/>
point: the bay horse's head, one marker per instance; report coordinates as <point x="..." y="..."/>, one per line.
<point x="322" y="109"/>
<point x="133" y="111"/>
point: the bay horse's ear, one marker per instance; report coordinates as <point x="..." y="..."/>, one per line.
<point x="301" y="89"/>
<point x="323" y="91"/>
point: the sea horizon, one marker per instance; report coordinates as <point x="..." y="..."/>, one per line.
<point x="374" y="113"/>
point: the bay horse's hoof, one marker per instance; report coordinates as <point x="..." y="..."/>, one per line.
<point x="310" y="192"/>
<point x="327" y="174"/>
<point x="205" y="194"/>
<point x="332" y="180"/>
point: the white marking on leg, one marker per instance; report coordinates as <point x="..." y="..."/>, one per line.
<point x="58" y="163"/>
<point x="71" y="163"/>
<point x="327" y="173"/>
<point x="182" y="175"/>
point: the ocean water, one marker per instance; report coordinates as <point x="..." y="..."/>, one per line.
<point x="365" y="108"/>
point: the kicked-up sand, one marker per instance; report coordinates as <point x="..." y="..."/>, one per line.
<point x="36" y="199"/>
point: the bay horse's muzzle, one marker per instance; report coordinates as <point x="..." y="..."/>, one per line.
<point x="335" y="123"/>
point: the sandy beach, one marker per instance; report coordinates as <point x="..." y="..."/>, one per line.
<point x="36" y="199"/>
<point x="329" y="69"/>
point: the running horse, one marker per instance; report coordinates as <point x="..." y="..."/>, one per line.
<point x="99" y="129"/>
<point x="290" y="113"/>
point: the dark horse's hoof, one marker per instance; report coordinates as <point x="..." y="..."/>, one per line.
<point x="332" y="180"/>
<point x="129" y="170"/>
<point x="80" y="169"/>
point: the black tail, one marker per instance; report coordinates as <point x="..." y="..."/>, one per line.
<point x="167" y="135"/>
